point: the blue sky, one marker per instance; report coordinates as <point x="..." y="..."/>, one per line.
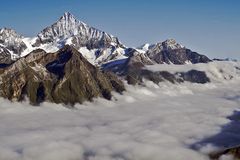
<point x="210" y="27"/>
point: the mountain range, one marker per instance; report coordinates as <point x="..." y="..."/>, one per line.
<point x="70" y="61"/>
<point x="97" y="46"/>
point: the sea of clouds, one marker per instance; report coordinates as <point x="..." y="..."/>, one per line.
<point x="156" y="122"/>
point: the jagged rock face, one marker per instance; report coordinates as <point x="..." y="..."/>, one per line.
<point x="97" y="46"/>
<point x="5" y="56"/>
<point x="171" y="52"/>
<point x="61" y="77"/>
<point x="66" y="31"/>
<point x="135" y="61"/>
<point x="69" y="30"/>
<point x="132" y="69"/>
<point x="12" y="41"/>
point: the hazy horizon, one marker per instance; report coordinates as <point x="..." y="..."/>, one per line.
<point x="210" y="28"/>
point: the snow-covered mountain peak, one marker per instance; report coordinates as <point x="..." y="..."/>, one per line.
<point x="69" y="25"/>
<point x="2" y="30"/>
<point x="171" y="44"/>
<point x="144" y="47"/>
<point x="12" y="41"/>
<point x="7" y="33"/>
<point x="69" y="18"/>
<point x="67" y="15"/>
<point x="97" y="46"/>
<point x="5" y="30"/>
<point x="68" y="28"/>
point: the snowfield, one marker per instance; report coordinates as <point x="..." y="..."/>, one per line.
<point x="156" y="122"/>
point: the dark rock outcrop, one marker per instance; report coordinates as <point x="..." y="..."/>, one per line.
<point x="195" y="76"/>
<point x="61" y="77"/>
<point x="233" y="151"/>
<point x="192" y="76"/>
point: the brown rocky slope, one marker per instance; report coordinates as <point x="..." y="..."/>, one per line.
<point x="61" y="77"/>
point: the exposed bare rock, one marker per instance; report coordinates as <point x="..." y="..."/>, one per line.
<point x="135" y="61"/>
<point x="133" y="70"/>
<point x="170" y="51"/>
<point x="5" y="56"/>
<point x="61" y="77"/>
<point x="72" y="31"/>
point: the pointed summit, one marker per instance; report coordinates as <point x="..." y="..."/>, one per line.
<point x="67" y="16"/>
<point x="12" y="41"/>
<point x="66" y="26"/>
<point x="170" y="41"/>
<point x="171" y="44"/>
<point x="9" y="32"/>
<point x="171" y="52"/>
<point x="74" y="32"/>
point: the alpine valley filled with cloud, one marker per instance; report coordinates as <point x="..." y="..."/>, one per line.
<point x="74" y="92"/>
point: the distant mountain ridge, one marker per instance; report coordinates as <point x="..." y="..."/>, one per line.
<point x="97" y="46"/>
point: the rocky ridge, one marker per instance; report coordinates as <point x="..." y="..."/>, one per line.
<point x="61" y="77"/>
<point x="11" y="43"/>
<point x="61" y="64"/>
<point x="171" y="52"/>
<point x="72" y="31"/>
<point x="97" y="46"/>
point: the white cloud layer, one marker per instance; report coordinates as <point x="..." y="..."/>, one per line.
<point x="151" y="123"/>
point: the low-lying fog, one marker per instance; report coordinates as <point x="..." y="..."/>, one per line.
<point x="146" y="123"/>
